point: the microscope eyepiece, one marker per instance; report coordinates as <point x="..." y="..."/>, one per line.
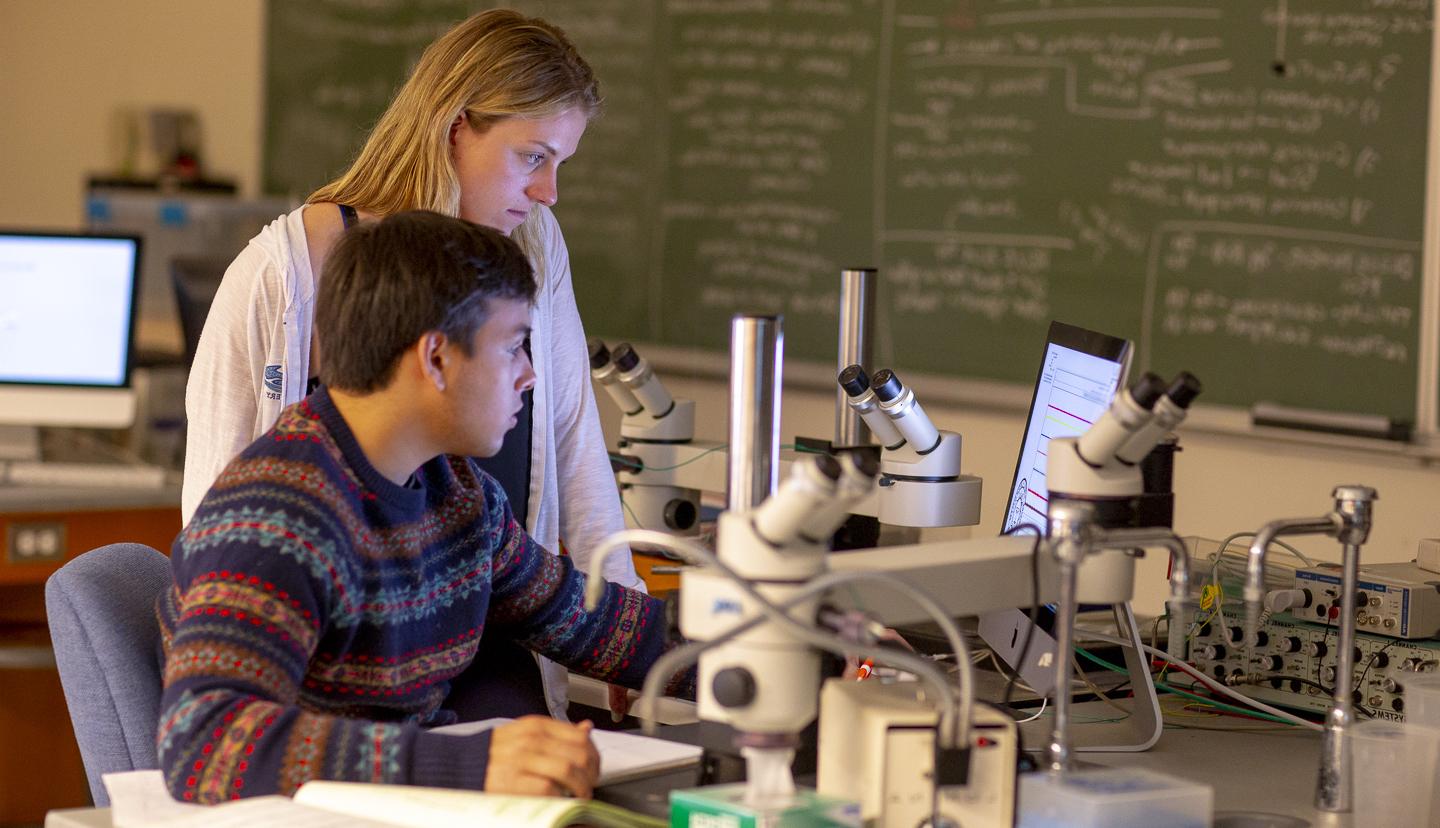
<point x="901" y="406"/>
<point x="1162" y="415"/>
<point x="1184" y="389"/>
<point x="599" y="354"/>
<point x="887" y="386"/>
<point x="854" y="381"/>
<point x="629" y="379"/>
<point x="1146" y="391"/>
<point x="867" y="462"/>
<point x="625" y="357"/>
<point x="862" y="398"/>
<point x="829" y="466"/>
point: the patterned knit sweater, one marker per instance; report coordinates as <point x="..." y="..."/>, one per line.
<point x="319" y="611"/>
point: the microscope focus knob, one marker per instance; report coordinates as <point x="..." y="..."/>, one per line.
<point x="733" y="687"/>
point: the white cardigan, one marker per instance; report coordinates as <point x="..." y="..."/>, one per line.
<point x="254" y="359"/>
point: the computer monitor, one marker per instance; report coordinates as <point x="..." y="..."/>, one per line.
<point x="1079" y="375"/>
<point x="67" y="326"/>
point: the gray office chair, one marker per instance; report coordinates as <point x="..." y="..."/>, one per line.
<point x="101" y="609"/>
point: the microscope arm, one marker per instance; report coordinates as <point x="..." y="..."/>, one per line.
<point x="1179" y="577"/>
<point x="967" y="577"/>
<point x="1254" y="592"/>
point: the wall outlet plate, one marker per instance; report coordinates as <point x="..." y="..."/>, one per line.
<point x="30" y="542"/>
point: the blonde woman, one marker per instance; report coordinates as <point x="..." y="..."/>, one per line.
<point x="478" y="131"/>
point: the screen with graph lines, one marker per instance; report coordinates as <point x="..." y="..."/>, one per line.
<point x="1077" y="380"/>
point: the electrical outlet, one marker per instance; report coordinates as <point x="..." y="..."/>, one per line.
<point x="35" y="542"/>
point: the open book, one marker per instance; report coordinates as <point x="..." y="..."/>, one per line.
<point x="139" y="799"/>
<point x="404" y="805"/>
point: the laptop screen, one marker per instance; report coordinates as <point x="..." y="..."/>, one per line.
<point x="1079" y="375"/>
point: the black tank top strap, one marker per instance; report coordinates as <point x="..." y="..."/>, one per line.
<point x="349" y="218"/>
<point x="510" y="466"/>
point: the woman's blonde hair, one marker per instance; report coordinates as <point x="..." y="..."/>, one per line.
<point x="496" y="64"/>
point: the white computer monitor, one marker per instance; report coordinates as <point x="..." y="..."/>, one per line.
<point x="67" y="328"/>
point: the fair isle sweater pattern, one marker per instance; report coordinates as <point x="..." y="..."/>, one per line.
<point x="319" y="612"/>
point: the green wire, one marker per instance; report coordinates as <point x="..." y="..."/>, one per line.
<point x="801" y="449"/>
<point x="642" y="467"/>
<point x="633" y="516"/>
<point x="1177" y="691"/>
<point x="619" y="458"/>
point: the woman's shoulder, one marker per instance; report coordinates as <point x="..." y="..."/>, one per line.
<point x="270" y="263"/>
<point x="322" y="223"/>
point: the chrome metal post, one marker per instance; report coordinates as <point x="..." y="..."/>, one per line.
<point x="1350" y="524"/>
<point x="1333" y="790"/>
<point x="1069" y="525"/>
<point x="857" y="321"/>
<point x="757" y="346"/>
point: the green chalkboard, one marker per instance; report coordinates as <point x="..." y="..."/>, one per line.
<point x="1237" y="185"/>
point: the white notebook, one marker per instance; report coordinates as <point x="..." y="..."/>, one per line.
<point x="623" y="755"/>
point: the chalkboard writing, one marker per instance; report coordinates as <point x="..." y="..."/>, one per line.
<point x="1238" y="185"/>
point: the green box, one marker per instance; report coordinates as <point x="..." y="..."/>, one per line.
<point x="723" y="806"/>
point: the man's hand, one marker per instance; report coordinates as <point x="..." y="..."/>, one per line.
<point x="619" y="702"/>
<point x="536" y="755"/>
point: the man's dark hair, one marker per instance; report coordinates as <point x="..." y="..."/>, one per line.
<point x="389" y="282"/>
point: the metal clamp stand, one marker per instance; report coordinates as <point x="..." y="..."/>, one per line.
<point x="1073" y="537"/>
<point x="1349" y="522"/>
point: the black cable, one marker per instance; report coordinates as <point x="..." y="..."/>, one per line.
<point x="1371" y="663"/>
<point x="1034" y="606"/>
<point x="1324" y="639"/>
<point x="623" y="460"/>
<point x="1360" y="684"/>
<point x="1329" y="691"/>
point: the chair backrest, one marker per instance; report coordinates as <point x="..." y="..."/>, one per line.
<point x="101" y="610"/>
<point x="195" y="279"/>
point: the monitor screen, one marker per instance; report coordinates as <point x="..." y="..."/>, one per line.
<point x="67" y="325"/>
<point x="1078" y="376"/>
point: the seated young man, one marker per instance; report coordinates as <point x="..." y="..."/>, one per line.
<point x="344" y="567"/>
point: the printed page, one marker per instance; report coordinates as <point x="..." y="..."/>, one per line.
<point x="139" y="799"/>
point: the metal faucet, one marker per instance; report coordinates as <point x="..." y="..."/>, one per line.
<point x="1072" y="535"/>
<point x="1350" y="524"/>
